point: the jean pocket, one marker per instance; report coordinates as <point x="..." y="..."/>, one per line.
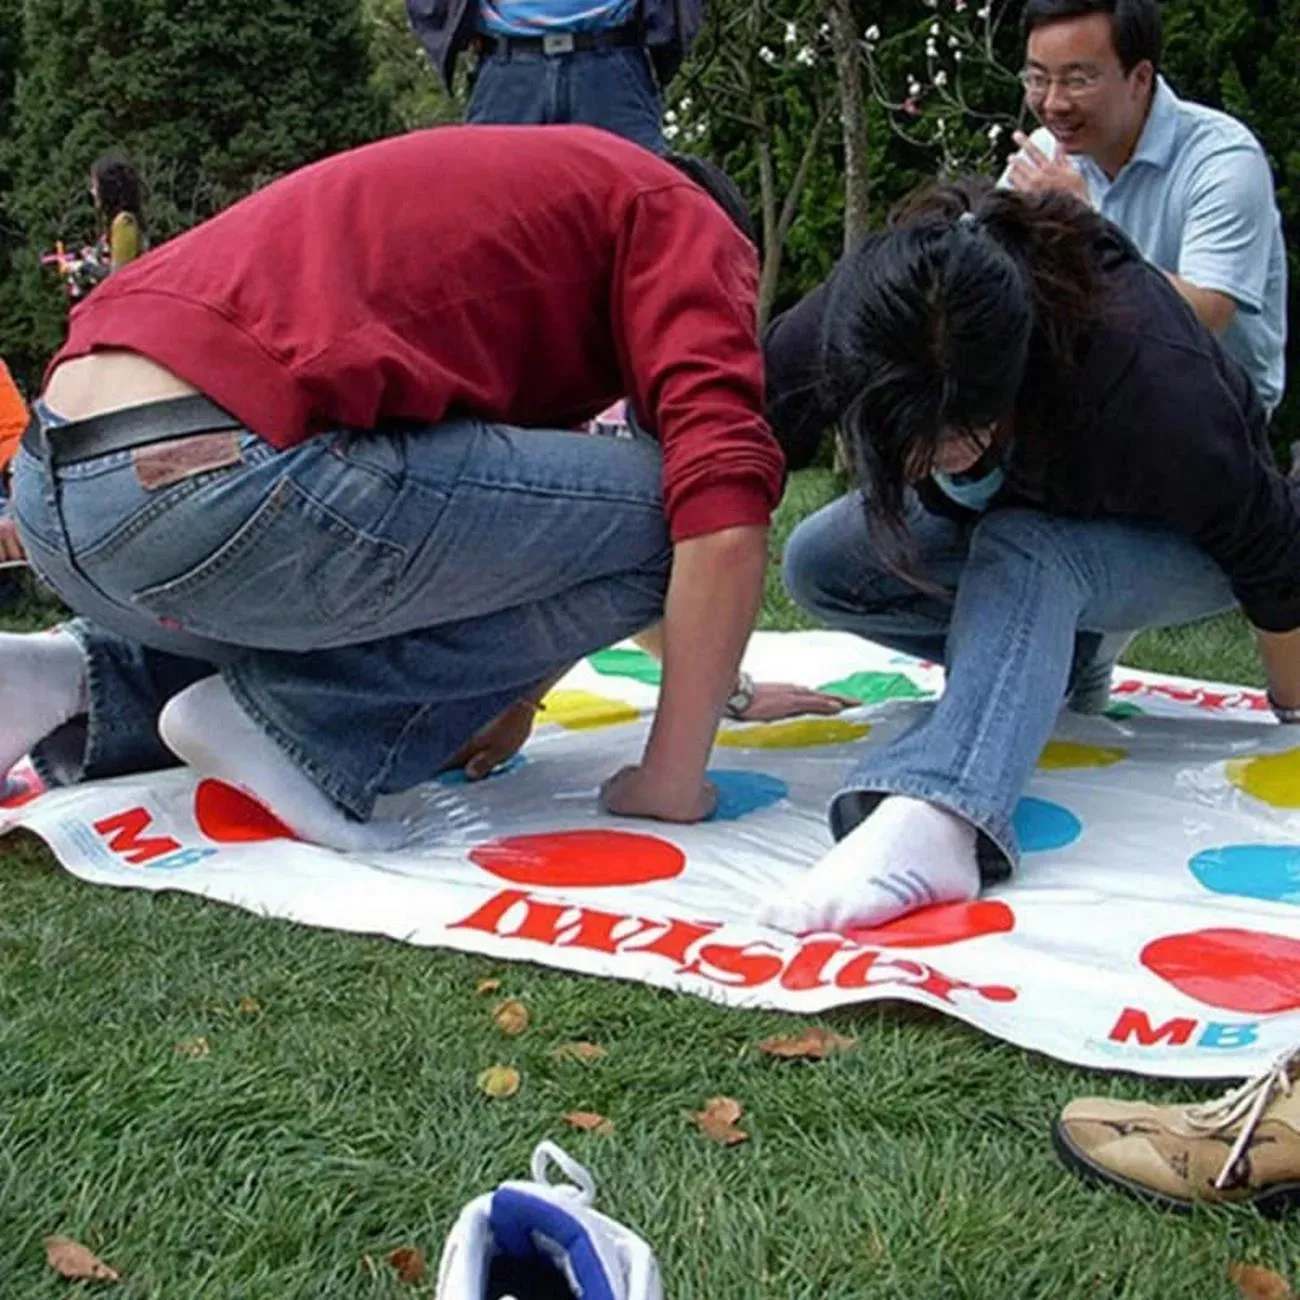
<point x="295" y="576"/>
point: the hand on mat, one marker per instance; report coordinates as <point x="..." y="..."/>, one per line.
<point x="773" y="700"/>
<point x="1032" y="171"/>
<point x="11" y="549"/>
<point x="501" y="739"/>
<point x="634" y="792"/>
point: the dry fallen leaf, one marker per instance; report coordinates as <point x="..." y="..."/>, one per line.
<point x="487" y="986"/>
<point x="72" y="1260"/>
<point x="499" y="1081"/>
<point x="813" y="1044"/>
<point x="511" y="1018"/>
<point x="1258" y="1283"/>
<point x="410" y="1264"/>
<point x="248" y="1007"/>
<point x="578" y="1052"/>
<point x="717" y="1121"/>
<point x="589" y="1122"/>
<point x="195" y="1048"/>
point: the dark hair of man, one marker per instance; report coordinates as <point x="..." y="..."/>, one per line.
<point x="119" y="186"/>
<point x="719" y="187"/>
<point x="969" y="314"/>
<point x="1134" y="24"/>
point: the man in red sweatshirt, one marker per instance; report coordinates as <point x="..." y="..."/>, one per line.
<point x="306" y="473"/>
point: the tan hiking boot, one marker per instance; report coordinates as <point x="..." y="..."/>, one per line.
<point x="1242" y="1149"/>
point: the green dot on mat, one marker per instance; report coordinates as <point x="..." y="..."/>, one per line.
<point x="628" y="663"/>
<point x="872" y="688"/>
<point x="1118" y="712"/>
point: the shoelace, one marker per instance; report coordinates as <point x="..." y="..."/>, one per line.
<point x="1246" y="1104"/>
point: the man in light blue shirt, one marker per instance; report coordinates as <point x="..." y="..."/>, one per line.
<point x="1191" y="186"/>
<point x="541" y="62"/>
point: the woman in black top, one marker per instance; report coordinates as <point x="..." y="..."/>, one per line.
<point x="1053" y="452"/>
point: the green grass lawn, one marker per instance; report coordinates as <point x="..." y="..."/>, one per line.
<point x="225" y="1106"/>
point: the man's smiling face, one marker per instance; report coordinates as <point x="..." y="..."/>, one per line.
<point x="1076" y="86"/>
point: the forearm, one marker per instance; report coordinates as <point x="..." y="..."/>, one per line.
<point x="1214" y="309"/>
<point x="1280" y="652"/>
<point x="713" y="599"/>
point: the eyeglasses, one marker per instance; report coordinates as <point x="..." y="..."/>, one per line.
<point x="1037" y="83"/>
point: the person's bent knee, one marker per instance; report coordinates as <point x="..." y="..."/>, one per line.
<point x="1026" y="535"/>
<point x="809" y="566"/>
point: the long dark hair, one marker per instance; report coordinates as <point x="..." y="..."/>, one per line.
<point x="968" y="315"/>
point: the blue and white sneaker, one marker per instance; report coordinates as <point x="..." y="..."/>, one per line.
<point x="542" y="1241"/>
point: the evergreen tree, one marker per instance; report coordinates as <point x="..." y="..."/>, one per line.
<point x="211" y="98"/>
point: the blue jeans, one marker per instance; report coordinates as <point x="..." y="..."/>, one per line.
<point x="614" y="89"/>
<point x="372" y="599"/>
<point x="1038" y="600"/>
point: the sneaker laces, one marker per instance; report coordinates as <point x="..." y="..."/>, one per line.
<point x="1245" y="1105"/>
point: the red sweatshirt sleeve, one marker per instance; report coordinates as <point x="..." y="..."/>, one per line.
<point x="684" y="304"/>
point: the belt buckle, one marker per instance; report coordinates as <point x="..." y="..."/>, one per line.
<point x="558" y="43"/>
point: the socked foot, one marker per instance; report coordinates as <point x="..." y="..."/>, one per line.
<point x="207" y="729"/>
<point x="42" y="686"/>
<point x="907" y="855"/>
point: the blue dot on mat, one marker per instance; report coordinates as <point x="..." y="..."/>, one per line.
<point x="741" y="793"/>
<point x="1041" y="825"/>
<point x="1265" y="871"/>
<point x="457" y="775"/>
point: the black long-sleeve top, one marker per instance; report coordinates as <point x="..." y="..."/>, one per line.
<point x="1165" y="428"/>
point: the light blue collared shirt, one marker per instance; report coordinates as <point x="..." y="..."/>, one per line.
<point x="1197" y="199"/>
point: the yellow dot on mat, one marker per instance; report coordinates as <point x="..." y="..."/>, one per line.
<point x="585" y="710"/>
<point x="1059" y="755"/>
<point x="1271" y="778"/>
<point x="800" y="733"/>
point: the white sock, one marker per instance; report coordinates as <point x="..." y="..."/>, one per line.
<point x="205" y="727"/>
<point x="42" y="685"/>
<point x="907" y="855"/>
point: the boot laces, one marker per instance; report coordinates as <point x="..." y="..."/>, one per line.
<point x="1244" y="1105"/>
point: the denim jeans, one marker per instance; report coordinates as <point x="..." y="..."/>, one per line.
<point x="614" y="89"/>
<point x="372" y="599"/>
<point x="1038" y="599"/>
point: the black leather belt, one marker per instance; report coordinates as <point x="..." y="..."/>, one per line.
<point x="561" y="42"/>
<point x="133" y="426"/>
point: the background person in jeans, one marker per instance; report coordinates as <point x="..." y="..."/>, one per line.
<point x="347" y="483"/>
<point x="594" y="62"/>
<point x="1043" y="428"/>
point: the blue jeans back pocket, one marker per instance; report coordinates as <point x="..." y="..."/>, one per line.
<point x="295" y="576"/>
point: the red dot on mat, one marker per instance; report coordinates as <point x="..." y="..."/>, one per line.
<point x="580" y="859"/>
<point x="229" y="816"/>
<point x="932" y="927"/>
<point x="1235" y="970"/>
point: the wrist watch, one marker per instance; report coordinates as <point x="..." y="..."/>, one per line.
<point x="1282" y="713"/>
<point x="743" y="696"/>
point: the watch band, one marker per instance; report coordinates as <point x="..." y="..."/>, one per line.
<point x="741" y="698"/>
